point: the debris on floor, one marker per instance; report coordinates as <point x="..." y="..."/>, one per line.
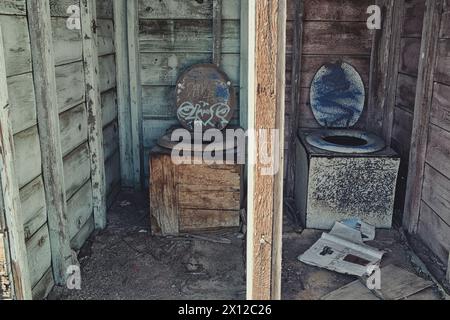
<point x="396" y="284"/>
<point x="343" y="250"/>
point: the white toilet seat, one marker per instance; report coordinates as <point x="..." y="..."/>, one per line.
<point x="351" y="141"/>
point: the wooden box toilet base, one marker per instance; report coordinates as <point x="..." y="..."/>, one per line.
<point x="191" y="198"/>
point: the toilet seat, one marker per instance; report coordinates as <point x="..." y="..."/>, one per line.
<point x="355" y="141"/>
<point x="337" y="101"/>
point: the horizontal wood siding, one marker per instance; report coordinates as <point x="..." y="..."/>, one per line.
<point x="173" y="35"/>
<point x="434" y="222"/>
<point x="13" y="21"/>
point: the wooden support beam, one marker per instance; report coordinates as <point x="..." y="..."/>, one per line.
<point x="40" y="29"/>
<point x="135" y="90"/>
<point x="267" y="37"/>
<point x="422" y="110"/>
<point x="243" y="92"/>
<point x="12" y="210"/>
<point x="94" y="110"/>
<point x="217" y="32"/>
<point x="123" y="93"/>
<point x="297" y="49"/>
<point x="384" y="66"/>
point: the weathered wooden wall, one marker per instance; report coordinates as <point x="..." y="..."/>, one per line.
<point x="73" y="123"/>
<point x="173" y="35"/>
<point x="412" y="16"/>
<point x="13" y="21"/>
<point x="434" y="219"/>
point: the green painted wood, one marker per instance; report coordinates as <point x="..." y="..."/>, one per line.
<point x="105" y="39"/>
<point x="99" y="77"/>
<point x="109" y="107"/>
<point x="123" y="93"/>
<point x="15" y="7"/>
<point x="79" y="209"/>
<point x="77" y="169"/>
<point x="10" y="197"/>
<point x="39" y="254"/>
<point x="16" y="41"/>
<point x="73" y="126"/>
<point x="70" y="85"/>
<point x="135" y="90"/>
<point x="67" y="44"/>
<point x="41" y="38"/>
<point x="27" y="146"/>
<point x="34" y="207"/>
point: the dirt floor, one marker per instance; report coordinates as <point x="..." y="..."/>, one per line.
<point x="126" y="262"/>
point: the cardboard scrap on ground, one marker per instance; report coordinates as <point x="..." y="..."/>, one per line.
<point x="396" y="284"/>
<point x="343" y="250"/>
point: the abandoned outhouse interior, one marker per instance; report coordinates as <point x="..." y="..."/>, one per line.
<point x="91" y="92"/>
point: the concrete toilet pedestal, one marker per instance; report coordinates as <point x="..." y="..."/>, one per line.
<point x="341" y="172"/>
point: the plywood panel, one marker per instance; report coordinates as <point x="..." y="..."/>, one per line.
<point x="70" y="85"/>
<point x="39" y="254"/>
<point x="438" y="152"/>
<point x="77" y="169"/>
<point x="67" y="44"/>
<point x="16" y="43"/>
<point x="27" y="156"/>
<point x="73" y="127"/>
<point x="34" y="209"/>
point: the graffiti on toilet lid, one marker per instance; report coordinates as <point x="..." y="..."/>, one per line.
<point x="205" y="95"/>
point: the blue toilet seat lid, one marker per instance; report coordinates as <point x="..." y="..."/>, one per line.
<point x="337" y="95"/>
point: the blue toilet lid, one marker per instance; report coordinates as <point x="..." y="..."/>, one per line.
<point x="337" y="95"/>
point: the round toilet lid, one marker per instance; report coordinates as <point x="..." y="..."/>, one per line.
<point x="337" y="95"/>
<point x="205" y="95"/>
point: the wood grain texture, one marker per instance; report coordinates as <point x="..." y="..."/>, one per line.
<point x="10" y="197"/>
<point x="440" y="110"/>
<point x="422" y="112"/>
<point x="94" y="70"/>
<point x="436" y="193"/>
<point x="266" y="112"/>
<point x="123" y="93"/>
<point x="49" y="135"/>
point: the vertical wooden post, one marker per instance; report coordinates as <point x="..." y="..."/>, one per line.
<point x="297" y="49"/>
<point x="422" y="110"/>
<point x="123" y="93"/>
<point x="266" y="112"/>
<point x="385" y="59"/>
<point x="448" y="269"/>
<point x="49" y="134"/>
<point x="243" y="92"/>
<point x="94" y="110"/>
<point x="135" y="90"/>
<point x="217" y="32"/>
<point x="10" y="194"/>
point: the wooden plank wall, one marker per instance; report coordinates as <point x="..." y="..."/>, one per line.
<point x="434" y="221"/>
<point x="108" y="88"/>
<point x="71" y="98"/>
<point x="173" y="35"/>
<point x="410" y="42"/>
<point x="13" y="21"/>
